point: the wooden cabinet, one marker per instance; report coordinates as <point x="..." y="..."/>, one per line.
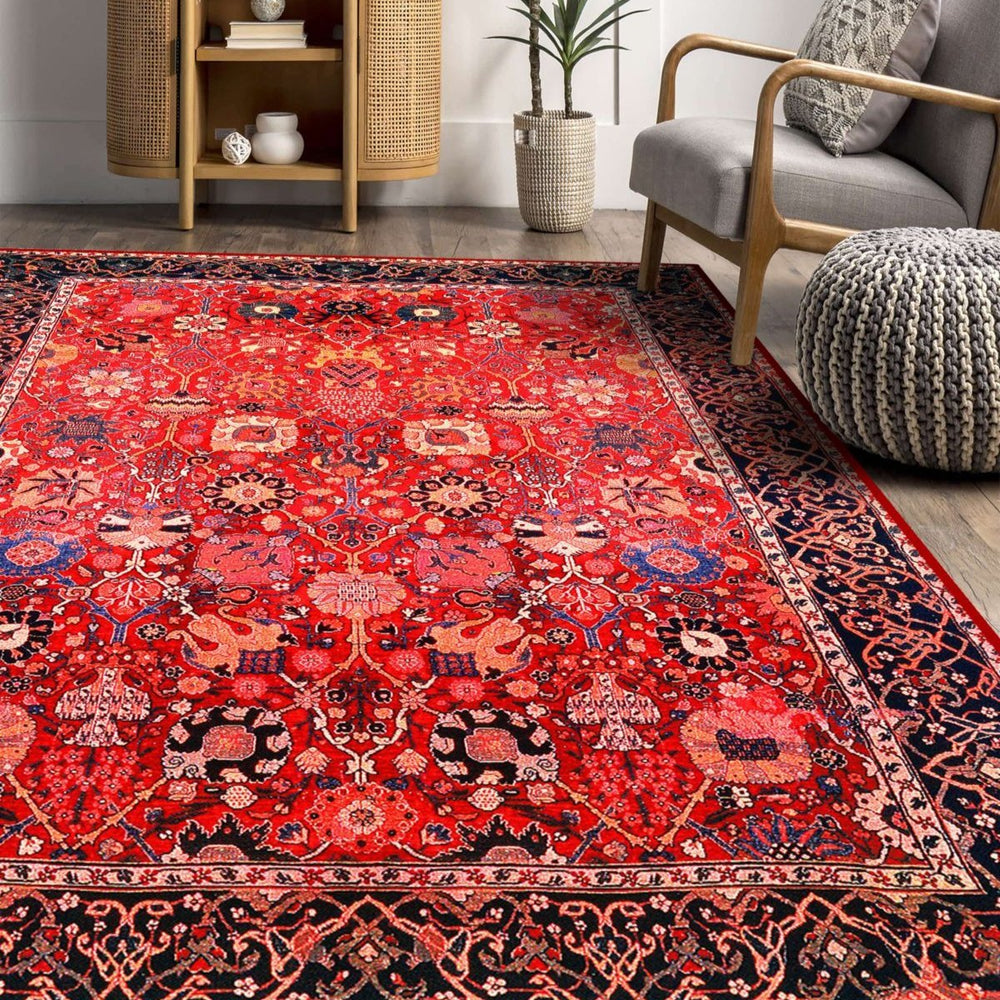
<point x="366" y="90"/>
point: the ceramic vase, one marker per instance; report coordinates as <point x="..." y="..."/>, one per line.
<point x="277" y="139"/>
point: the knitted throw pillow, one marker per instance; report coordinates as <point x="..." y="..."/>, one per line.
<point x="894" y="37"/>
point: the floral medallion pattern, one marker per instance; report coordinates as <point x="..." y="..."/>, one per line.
<point x="389" y="628"/>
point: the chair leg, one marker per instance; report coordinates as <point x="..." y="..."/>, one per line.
<point x="652" y="251"/>
<point x="757" y="256"/>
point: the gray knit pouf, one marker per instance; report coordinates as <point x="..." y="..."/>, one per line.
<point x="899" y="344"/>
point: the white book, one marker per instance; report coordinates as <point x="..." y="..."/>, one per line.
<point x="267" y="29"/>
<point x="265" y="43"/>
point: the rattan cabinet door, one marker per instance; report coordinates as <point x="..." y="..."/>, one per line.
<point x="142" y="87"/>
<point x="400" y="93"/>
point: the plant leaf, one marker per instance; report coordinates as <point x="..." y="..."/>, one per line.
<point x="600" y="48"/>
<point x="583" y="45"/>
<point x="524" y="41"/>
<point x="547" y="29"/>
<point x="562" y="35"/>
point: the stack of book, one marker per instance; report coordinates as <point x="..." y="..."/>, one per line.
<point x="266" y="35"/>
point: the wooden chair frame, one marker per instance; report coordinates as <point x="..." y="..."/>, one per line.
<point x="767" y="230"/>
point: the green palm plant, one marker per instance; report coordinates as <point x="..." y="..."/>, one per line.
<point x="563" y="35"/>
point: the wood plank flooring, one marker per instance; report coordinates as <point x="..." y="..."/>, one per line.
<point x="958" y="518"/>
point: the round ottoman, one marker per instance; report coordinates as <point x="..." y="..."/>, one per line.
<point x="898" y="339"/>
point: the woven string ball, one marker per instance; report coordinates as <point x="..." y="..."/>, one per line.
<point x="236" y="148"/>
<point x="898" y="340"/>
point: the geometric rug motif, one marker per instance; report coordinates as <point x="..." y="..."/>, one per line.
<point x="404" y="627"/>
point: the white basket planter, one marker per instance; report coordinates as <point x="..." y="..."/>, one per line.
<point x="555" y="169"/>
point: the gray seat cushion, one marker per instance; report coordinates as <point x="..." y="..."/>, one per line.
<point x="700" y="169"/>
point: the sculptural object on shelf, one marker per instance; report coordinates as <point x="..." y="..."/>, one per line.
<point x="277" y="139"/>
<point x="236" y="148"/>
<point x="267" y="10"/>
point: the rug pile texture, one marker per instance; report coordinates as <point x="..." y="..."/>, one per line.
<point x="445" y="630"/>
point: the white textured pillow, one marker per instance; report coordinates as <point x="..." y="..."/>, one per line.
<point x="895" y="37"/>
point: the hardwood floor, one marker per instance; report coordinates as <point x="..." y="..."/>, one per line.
<point x="958" y="518"/>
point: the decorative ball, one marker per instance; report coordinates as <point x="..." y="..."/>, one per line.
<point x="267" y="10"/>
<point x="236" y="148"/>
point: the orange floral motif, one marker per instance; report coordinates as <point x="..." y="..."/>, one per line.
<point x="17" y="730"/>
<point x="253" y="433"/>
<point x="751" y="737"/>
<point x="561" y="534"/>
<point x="105" y="382"/>
<point x="365" y="819"/>
<point x="142" y="530"/>
<point x="447" y="437"/>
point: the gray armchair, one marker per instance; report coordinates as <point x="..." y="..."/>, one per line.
<point x="745" y="189"/>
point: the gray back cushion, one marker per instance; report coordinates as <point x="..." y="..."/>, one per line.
<point x="952" y="146"/>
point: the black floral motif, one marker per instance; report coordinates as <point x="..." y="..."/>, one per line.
<point x="701" y="643"/>
<point x="267" y="310"/>
<point x="455" y="496"/>
<point x="22" y="634"/>
<point x="248" y="493"/>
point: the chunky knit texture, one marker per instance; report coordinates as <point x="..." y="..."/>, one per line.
<point x="899" y="345"/>
<point x="871" y="35"/>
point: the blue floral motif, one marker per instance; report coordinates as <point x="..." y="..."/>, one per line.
<point x="778" y="839"/>
<point x="267" y="310"/>
<point x="426" y="313"/>
<point x="672" y="562"/>
<point x="618" y="437"/>
<point x="33" y="553"/>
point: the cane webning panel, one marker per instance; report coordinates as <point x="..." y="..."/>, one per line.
<point x="402" y="81"/>
<point x="142" y="82"/>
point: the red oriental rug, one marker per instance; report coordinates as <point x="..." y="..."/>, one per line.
<point x="462" y="630"/>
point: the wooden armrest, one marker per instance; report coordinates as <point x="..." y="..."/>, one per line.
<point x="690" y="43"/>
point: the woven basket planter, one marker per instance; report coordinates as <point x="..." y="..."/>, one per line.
<point x="555" y="170"/>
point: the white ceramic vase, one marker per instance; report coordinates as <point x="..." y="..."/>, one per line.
<point x="277" y="139"/>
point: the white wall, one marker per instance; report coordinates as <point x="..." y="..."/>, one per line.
<point x="52" y="100"/>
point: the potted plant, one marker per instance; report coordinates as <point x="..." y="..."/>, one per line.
<point x="554" y="150"/>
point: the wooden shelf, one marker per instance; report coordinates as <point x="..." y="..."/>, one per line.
<point x="368" y="100"/>
<point x="217" y="52"/>
<point x="212" y="167"/>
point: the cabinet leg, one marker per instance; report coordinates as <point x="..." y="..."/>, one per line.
<point x="349" y="211"/>
<point x="186" y="204"/>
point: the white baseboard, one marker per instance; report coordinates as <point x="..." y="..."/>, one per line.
<point x="47" y="162"/>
